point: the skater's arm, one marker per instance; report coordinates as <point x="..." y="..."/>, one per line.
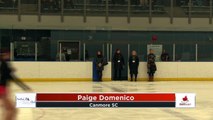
<point x="20" y="83"/>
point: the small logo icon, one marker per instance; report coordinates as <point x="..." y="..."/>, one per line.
<point x="25" y="100"/>
<point x="185" y="101"/>
<point x="185" y="98"/>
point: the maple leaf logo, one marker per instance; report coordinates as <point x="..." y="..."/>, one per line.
<point x="185" y="98"/>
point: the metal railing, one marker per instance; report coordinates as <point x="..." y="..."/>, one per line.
<point x="178" y="52"/>
<point x="107" y="8"/>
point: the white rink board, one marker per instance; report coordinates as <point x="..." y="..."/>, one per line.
<point x="84" y="70"/>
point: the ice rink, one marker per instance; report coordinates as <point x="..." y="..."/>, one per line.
<point x="203" y="110"/>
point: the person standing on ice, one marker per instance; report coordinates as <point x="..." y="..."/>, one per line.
<point x="118" y="62"/>
<point x="100" y="62"/>
<point x="133" y="65"/>
<point x="151" y="66"/>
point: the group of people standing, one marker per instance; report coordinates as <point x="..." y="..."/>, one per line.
<point x="119" y="64"/>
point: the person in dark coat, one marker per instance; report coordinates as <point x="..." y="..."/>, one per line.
<point x="164" y="56"/>
<point x="133" y="65"/>
<point x="6" y="75"/>
<point x="118" y="61"/>
<point x="100" y="62"/>
<point x="10" y="110"/>
<point x="151" y="66"/>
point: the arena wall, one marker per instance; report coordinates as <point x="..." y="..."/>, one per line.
<point x="82" y="71"/>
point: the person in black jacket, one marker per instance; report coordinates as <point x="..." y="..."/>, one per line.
<point x="151" y="66"/>
<point x="10" y="110"/>
<point x="164" y="56"/>
<point x="100" y="62"/>
<point x="133" y="65"/>
<point x="118" y="61"/>
<point x="6" y="73"/>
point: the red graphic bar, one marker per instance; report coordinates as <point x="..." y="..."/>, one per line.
<point x="106" y="97"/>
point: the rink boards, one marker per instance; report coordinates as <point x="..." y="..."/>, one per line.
<point x="82" y="71"/>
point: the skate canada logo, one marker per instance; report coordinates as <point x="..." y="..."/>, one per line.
<point x="185" y="101"/>
<point x="26" y="100"/>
